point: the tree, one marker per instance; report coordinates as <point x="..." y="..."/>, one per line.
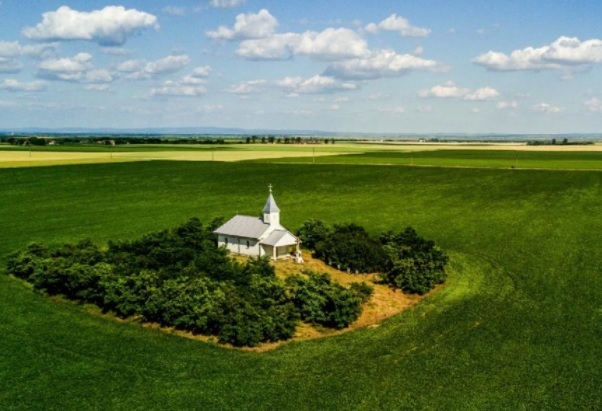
<point x="312" y="232"/>
<point x="351" y="247"/>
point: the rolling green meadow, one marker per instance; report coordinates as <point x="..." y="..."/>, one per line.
<point x="518" y="324"/>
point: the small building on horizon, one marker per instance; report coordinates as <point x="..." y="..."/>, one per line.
<point x="260" y="236"/>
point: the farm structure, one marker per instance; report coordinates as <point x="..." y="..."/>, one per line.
<point x="259" y="236"/>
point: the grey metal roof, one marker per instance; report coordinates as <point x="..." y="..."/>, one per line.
<point x="270" y="206"/>
<point x="278" y="235"/>
<point x="243" y="226"/>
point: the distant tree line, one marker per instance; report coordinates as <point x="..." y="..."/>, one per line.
<point x="564" y="142"/>
<point x="111" y="140"/>
<point x="129" y="139"/>
<point x="180" y="278"/>
<point x="403" y="260"/>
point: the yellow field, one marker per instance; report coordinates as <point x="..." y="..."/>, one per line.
<point x="44" y="158"/>
<point x="13" y="158"/>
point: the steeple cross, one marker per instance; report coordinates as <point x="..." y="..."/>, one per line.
<point x="270" y="187"/>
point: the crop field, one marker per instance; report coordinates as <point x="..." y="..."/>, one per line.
<point x="572" y="160"/>
<point x="518" y="325"/>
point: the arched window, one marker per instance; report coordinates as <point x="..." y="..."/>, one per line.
<point x="248" y="244"/>
<point x="226" y="240"/>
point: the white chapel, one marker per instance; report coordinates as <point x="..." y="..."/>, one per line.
<point x="259" y="236"/>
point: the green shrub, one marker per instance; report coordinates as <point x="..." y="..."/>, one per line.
<point x="351" y="247"/>
<point x="322" y="301"/>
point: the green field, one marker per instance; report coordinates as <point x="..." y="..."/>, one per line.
<point x="517" y="326"/>
<point x="577" y="160"/>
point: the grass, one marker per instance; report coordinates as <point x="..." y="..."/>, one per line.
<point x="580" y="160"/>
<point x="518" y="325"/>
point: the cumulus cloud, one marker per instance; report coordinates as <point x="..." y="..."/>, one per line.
<point x="382" y="63"/>
<point x="451" y="91"/>
<point x="546" y="108"/>
<point x="201" y="71"/>
<point x="393" y="111"/>
<point x="507" y="105"/>
<point x="226" y="4"/>
<point x="110" y="26"/>
<point x="78" y="68"/>
<point x="140" y="70"/>
<point x="192" y="85"/>
<point x="398" y="24"/>
<point x="15" y="85"/>
<point x="15" y="49"/>
<point x="178" y="89"/>
<point x="247" y="87"/>
<point x="314" y="85"/>
<point x="329" y="44"/>
<point x="566" y="53"/>
<point x="247" y="26"/>
<point x="594" y="105"/>
<point x="10" y="52"/>
<point x="10" y="65"/>
<point x="97" y="87"/>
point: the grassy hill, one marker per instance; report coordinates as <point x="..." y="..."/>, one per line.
<point x="519" y="324"/>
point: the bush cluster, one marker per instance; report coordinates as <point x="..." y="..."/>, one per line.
<point x="404" y="260"/>
<point x="180" y="278"/>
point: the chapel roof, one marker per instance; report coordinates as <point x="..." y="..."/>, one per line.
<point x="243" y="226"/>
<point x="280" y="238"/>
<point x="270" y="205"/>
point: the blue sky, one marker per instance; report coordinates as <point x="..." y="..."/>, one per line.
<point x="347" y="66"/>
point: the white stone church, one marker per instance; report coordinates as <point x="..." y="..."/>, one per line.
<point x="259" y="236"/>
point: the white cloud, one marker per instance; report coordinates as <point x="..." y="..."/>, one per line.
<point x="110" y="26"/>
<point x="175" y="10"/>
<point x="10" y="52"/>
<point x="546" y="108"/>
<point x="566" y="53"/>
<point x="329" y="44"/>
<point x="382" y="63"/>
<point x="10" y="65"/>
<point x="15" y="85"/>
<point x="201" y="71"/>
<point x="452" y="91"/>
<point x="275" y="47"/>
<point x="393" y="111"/>
<point x="139" y="69"/>
<point x="210" y="108"/>
<point x="226" y="4"/>
<point x="594" y="105"/>
<point x="78" y="68"/>
<point x="169" y="64"/>
<point x="507" y="105"/>
<point x="178" y="89"/>
<point x="247" y="87"/>
<point x="247" y="26"/>
<point x="335" y="107"/>
<point x="314" y="85"/>
<point x="482" y="94"/>
<point x="14" y="49"/>
<point x="97" y="87"/>
<point x="398" y="24"/>
<point x="342" y="100"/>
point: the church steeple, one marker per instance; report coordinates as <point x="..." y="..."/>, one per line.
<point x="271" y="212"/>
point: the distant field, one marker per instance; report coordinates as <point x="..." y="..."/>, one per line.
<point x="518" y="325"/>
<point x="583" y="160"/>
<point x="424" y="154"/>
